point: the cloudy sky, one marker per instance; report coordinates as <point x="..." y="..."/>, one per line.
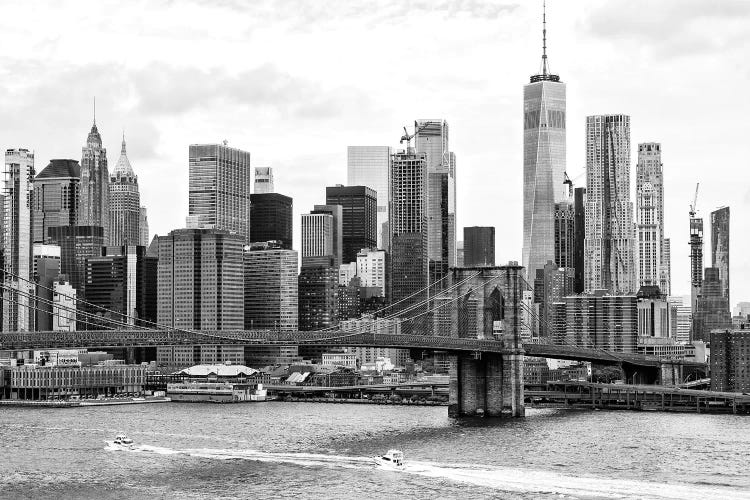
<point x="294" y="82"/>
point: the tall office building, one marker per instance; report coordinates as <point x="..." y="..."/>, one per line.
<point x="77" y="243"/>
<point x="318" y="293"/>
<point x="720" y="247"/>
<point x="431" y="139"/>
<point x="220" y="182"/>
<point x="93" y="207"/>
<point x="551" y="285"/>
<point x="271" y="292"/>
<point x="610" y="239"/>
<point x="337" y="228"/>
<point x="711" y="307"/>
<point x="543" y="162"/>
<point x="143" y="238"/>
<point x="656" y="270"/>
<point x="649" y="237"/>
<point x="360" y="222"/>
<point x="46" y="266"/>
<point x="409" y="264"/>
<point x="124" y="203"/>
<point x="17" y="238"/>
<point x="579" y="238"/>
<point x="271" y="218"/>
<point x="56" y="197"/>
<point x="122" y="281"/>
<point x="564" y="234"/>
<point x="317" y="235"/>
<point x="479" y="246"/>
<point x="263" y="180"/>
<point x="200" y="280"/>
<point x="371" y="166"/>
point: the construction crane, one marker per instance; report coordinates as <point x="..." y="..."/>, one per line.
<point x="408" y="137"/>
<point x="569" y="183"/>
<point x="694" y="205"/>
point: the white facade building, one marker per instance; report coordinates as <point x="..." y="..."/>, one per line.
<point x="64" y="307"/>
<point x="317" y="235"/>
<point x="371" y="268"/>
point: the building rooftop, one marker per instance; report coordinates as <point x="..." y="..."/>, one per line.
<point x="224" y="370"/>
<point x="60" y="168"/>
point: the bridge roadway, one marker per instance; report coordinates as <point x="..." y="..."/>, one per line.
<point x="148" y="338"/>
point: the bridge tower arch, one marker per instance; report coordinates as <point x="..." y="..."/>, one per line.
<point x="487" y="307"/>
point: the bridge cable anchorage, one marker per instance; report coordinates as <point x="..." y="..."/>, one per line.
<point x="77" y="300"/>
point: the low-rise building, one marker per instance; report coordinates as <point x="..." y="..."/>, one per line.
<point x="345" y="359"/>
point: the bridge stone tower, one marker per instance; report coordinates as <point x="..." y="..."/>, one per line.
<point x="487" y="307"/>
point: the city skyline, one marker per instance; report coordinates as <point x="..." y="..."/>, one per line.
<point x="490" y="149"/>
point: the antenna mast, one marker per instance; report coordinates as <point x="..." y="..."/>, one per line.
<point x="544" y="38"/>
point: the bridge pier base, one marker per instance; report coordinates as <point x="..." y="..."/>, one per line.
<point x="491" y="386"/>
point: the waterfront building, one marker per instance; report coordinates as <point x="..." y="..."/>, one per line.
<point x="345" y="359"/>
<point x="271" y="218"/>
<point x="77" y="243"/>
<point x="371" y="269"/>
<point x="543" y="162"/>
<point x="371" y="166"/>
<point x="608" y="322"/>
<point x="720" y="247"/>
<point x="711" y="307"/>
<point x="610" y="232"/>
<point x="17" y="241"/>
<point x="200" y="280"/>
<point x="409" y="264"/>
<point x="93" y="207"/>
<point x="56" y="197"/>
<point x="143" y="238"/>
<point x="318" y="235"/>
<point x="564" y="234"/>
<point x="119" y="285"/>
<point x="270" y="287"/>
<point x="46" y="269"/>
<point x="220" y="183"/>
<point x="730" y="360"/>
<point x="263" y="180"/>
<point x="579" y="238"/>
<point x="64" y="306"/>
<point x="337" y="229"/>
<point x="431" y="139"/>
<point x="359" y="217"/>
<point x="661" y="347"/>
<point x="653" y="254"/>
<point x="318" y="293"/>
<point x="479" y="247"/>
<point x="124" y="203"/>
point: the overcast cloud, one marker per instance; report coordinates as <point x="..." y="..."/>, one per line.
<point x="294" y="82"/>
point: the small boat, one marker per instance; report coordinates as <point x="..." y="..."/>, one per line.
<point x="123" y="441"/>
<point x="393" y="460"/>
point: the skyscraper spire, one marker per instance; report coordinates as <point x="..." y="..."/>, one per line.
<point x="544" y="38"/>
<point x="94" y="111"/>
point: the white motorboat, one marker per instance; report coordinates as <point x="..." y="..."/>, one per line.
<point x="393" y="460"/>
<point x="123" y="441"/>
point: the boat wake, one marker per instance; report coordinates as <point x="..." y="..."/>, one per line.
<point x="515" y="480"/>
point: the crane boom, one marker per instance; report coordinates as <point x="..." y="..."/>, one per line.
<point x="694" y="205"/>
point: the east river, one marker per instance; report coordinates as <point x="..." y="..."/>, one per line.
<point x="308" y="450"/>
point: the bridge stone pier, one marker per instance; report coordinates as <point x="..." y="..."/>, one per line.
<point x="487" y="384"/>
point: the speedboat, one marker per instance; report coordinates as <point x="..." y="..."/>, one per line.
<point x="393" y="460"/>
<point x="123" y="441"/>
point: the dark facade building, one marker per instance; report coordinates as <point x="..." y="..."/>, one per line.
<point x="121" y="281"/>
<point x="337" y="230"/>
<point x="46" y="270"/>
<point x="479" y="246"/>
<point x="360" y="218"/>
<point x="77" y="243"/>
<point x="271" y="218"/>
<point x="200" y="280"/>
<point x="318" y="293"/>
<point x="607" y="322"/>
<point x="409" y="265"/>
<point x="720" y="247"/>
<point x="349" y="300"/>
<point x="711" y="307"/>
<point x="730" y="360"/>
<point x="564" y="234"/>
<point x="551" y="285"/>
<point x="579" y="238"/>
<point x="56" y="197"/>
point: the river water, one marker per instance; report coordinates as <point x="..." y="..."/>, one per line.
<point x="308" y="450"/>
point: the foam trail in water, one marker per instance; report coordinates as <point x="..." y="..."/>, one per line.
<point x="504" y="479"/>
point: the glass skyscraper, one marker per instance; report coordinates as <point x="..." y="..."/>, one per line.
<point x="544" y="100"/>
<point x="610" y="232"/>
<point x="720" y="247"/>
<point x="220" y="182"/>
<point x="371" y="166"/>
